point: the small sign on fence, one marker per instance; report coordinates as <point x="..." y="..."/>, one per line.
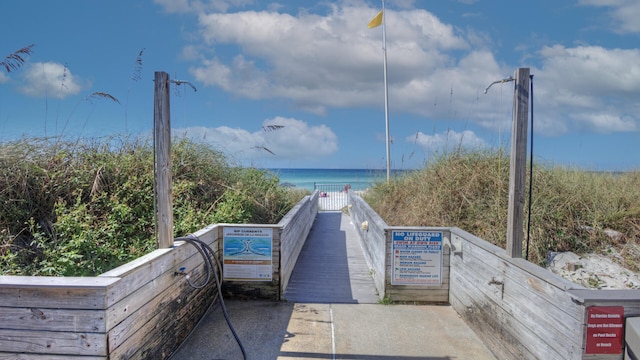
<point x="604" y="329"/>
<point x="417" y="258"/>
<point x="247" y="254"/>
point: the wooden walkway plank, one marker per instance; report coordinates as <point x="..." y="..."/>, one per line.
<point x="331" y="267"/>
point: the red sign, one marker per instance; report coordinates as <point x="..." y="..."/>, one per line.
<point x="605" y="326"/>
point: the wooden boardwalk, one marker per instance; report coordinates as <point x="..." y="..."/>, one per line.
<point x="331" y="267"/>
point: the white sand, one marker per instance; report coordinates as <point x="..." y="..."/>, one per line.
<point x="594" y="271"/>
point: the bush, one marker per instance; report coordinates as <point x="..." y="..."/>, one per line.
<point x="83" y="208"/>
<point x="570" y="209"/>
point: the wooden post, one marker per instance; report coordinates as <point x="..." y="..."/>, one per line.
<point x="518" y="164"/>
<point x="162" y="147"/>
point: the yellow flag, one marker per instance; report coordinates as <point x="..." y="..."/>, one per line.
<point x="376" y="21"/>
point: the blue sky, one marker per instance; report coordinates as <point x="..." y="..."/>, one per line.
<point x="315" y="68"/>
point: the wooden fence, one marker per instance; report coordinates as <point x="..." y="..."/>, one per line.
<point x="376" y="240"/>
<point x="518" y="309"/>
<point x="141" y="310"/>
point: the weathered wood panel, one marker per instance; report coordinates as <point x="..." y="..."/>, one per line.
<point x="149" y="288"/>
<point x="519" y="309"/>
<point x="130" y="314"/>
<point x="371" y="229"/>
<point x="70" y="317"/>
<point x="139" y="322"/>
<point x="504" y="320"/>
<point x="159" y="327"/>
<point x="55" y="292"/>
<point x="44" y="319"/>
<point x="14" y="356"/>
<point x="53" y="342"/>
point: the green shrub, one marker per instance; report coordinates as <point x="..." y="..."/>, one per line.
<point x="83" y="208"/>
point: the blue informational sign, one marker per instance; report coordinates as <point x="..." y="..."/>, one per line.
<point x="417" y="258"/>
<point x="247" y="254"/>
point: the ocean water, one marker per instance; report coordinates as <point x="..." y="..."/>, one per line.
<point x="359" y="179"/>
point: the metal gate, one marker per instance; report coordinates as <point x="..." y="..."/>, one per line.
<point x="333" y="197"/>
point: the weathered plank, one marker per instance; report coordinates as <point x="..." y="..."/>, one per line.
<point x="485" y="322"/>
<point x="523" y="318"/>
<point x="53" y="342"/>
<point x="55" y="292"/>
<point x="537" y="315"/>
<point x="506" y="333"/>
<point x="162" y="159"/>
<point x="138" y="297"/>
<point x="372" y="238"/>
<point x="167" y="327"/>
<point x="17" y="356"/>
<point x="518" y="164"/>
<point x="43" y="319"/>
<point x="145" y="269"/>
<point x="489" y="271"/>
<point x="128" y="315"/>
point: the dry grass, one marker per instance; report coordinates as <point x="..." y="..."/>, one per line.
<point x="571" y="209"/>
<point x="16" y="59"/>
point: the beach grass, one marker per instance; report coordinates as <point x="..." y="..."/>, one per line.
<point x="572" y="209"/>
<point x="80" y="208"/>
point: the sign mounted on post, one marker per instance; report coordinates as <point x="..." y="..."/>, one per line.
<point x="604" y="329"/>
<point x="417" y="258"/>
<point x="247" y="254"/>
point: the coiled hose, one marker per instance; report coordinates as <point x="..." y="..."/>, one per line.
<point x="211" y="264"/>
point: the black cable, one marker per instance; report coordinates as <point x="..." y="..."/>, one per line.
<point x="209" y="258"/>
<point x="530" y="173"/>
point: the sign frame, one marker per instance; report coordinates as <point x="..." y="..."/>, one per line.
<point x="416" y="257"/>
<point x="605" y="330"/>
<point x="247" y="253"/>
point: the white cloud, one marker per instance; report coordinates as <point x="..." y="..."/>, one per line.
<point x="295" y="140"/>
<point x="595" y="88"/>
<point x="323" y="61"/>
<point x="3" y="78"/>
<point x="624" y="13"/>
<point x="189" y="6"/>
<point x="605" y="122"/>
<point x="447" y="141"/>
<point x="49" y="79"/>
<point x="333" y="61"/>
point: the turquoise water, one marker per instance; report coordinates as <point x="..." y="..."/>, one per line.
<point x="359" y="179"/>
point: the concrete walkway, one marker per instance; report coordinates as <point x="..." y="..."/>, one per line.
<point x="330" y="315"/>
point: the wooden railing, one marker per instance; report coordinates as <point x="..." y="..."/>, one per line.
<point x="141" y="310"/>
<point x="518" y="309"/>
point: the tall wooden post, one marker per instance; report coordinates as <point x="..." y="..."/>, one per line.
<point x="162" y="147"/>
<point x="518" y="164"/>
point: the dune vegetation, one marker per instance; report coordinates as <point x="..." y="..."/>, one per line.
<point x="572" y="209"/>
<point x="85" y="207"/>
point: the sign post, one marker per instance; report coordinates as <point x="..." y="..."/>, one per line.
<point x="518" y="163"/>
<point x="162" y="144"/>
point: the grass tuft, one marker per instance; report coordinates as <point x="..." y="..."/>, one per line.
<point x="572" y="210"/>
<point x="16" y="59"/>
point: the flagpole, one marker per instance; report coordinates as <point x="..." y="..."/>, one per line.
<point x="386" y="93"/>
